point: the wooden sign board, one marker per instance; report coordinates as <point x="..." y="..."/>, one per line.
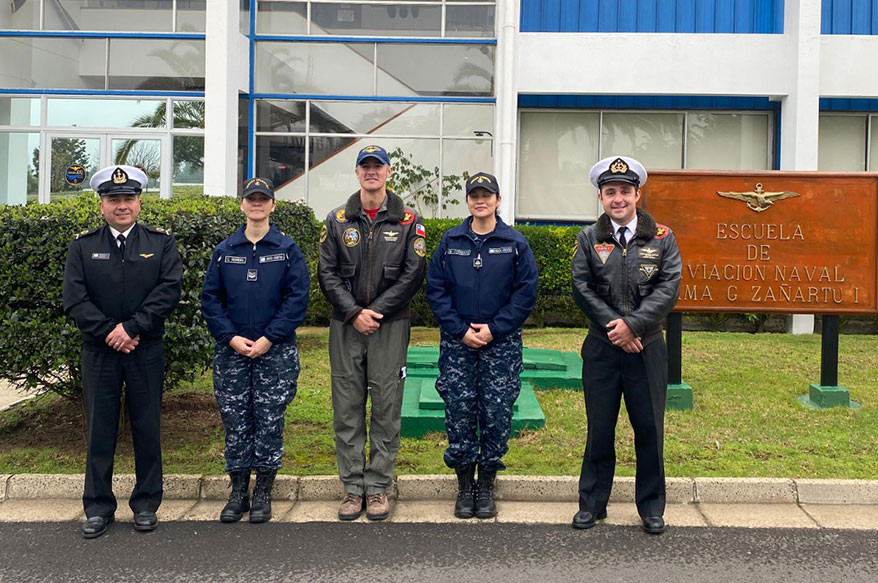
<point x="791" y="242"/>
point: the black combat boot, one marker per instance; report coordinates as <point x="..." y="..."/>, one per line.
<point x="485" y="507"/>
<point x="466" y="503"/>
<point x="239" y="499"/>
<point x="261" y="510"/>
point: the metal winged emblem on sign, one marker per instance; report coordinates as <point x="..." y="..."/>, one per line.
<point x="758" y="200"/>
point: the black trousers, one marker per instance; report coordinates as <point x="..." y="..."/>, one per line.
<point x="608" y="374"/>
<point x="104" y="371"/>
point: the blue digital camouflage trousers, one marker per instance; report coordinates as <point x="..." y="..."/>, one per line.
<point x="479" y="387"/>
<point x="253" y="395"/>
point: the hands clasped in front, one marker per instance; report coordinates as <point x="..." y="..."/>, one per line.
<point x="477" y="335"/>
<point x="621" y="335"/>
<point x="119" y="340"/>
<point x="367" y="321"/>
<point x="250" y="348"/>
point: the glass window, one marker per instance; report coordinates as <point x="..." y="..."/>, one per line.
<point x="282" y="159"/>
<point x="557" y="151"/>
<point x="52" y="63"/>
<point x="727" y="141"/>
<point x="191" y="15"/>
<point x="280" y="116"/>
<point x="455" y="70"/>
<point x="469" y="21"/>
<point x="873" y="145"/>
<point x="134" y="16"/>
<point x="66" y="152"/>
<point x="282" y="18"/>
<point x="106" y="113"/>
<point x="19" y="111"/>
<point x="376" y="19"/>
<point x="655" y="139"/>
<point x="145" y="154"/>
<point x="244" y="24"/>
<point x="157" y="64"/>
<point x="465" y="119"/>
<point x="326" y="68"/>
<point x="188" y="165"/>
<point x="18" y="15"/>
<point x="841" y="143"/>
<point x="460" y="157"/>
<point x="379" y="118"/>
<point x="19" y="167"/>
<point x="189" y="114"/>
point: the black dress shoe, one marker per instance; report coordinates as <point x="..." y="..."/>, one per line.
<point x="96" y="526"/>
<point x="585" y="519"/>
<point x="145" y="521"/>
<point x="653" y="524"/>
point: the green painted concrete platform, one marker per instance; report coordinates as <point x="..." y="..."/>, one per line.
<point x="543" y="369"/>
<point x="423" y="410"/>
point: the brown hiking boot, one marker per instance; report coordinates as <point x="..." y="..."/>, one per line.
<point x="377" y="506"/>
<point x="351" y="507"/>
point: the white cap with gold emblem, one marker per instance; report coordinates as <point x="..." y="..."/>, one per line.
<point x="120" y="179"/>
<point x="618" y="169"/>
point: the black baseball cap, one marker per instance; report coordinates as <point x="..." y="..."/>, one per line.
<point x="260" y="185"/>
<point x="483" y="180"/>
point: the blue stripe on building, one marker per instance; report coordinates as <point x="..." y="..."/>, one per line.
<point x="701" y="16"/>
<point x="849" y="17"/>
<point x="651" y="102"/>
<point x="841" y="104"/>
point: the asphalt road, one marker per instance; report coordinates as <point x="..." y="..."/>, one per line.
<point x="422" y="553"/>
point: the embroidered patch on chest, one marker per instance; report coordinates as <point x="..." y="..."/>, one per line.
<point x="391" y="236"/>
<point x="351" y="237"/>
<point x="498" y="250"/>
<point x="462" y="252"/>
<point x="648" y="269"/>
<point x="649" y="253"/>
<point x="272" y="258"/>
<point x="603" y="251"/>
<point x="238" y="260"/>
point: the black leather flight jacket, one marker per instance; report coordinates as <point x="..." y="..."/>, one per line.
<point x="640" y="284"/>
<point x="376" y="264"/>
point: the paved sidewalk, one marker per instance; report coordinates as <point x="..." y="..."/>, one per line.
<point x="744" y="502"/>
<point x="9" y="396"/>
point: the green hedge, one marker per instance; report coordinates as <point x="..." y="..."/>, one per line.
<point x="39" y="346"/>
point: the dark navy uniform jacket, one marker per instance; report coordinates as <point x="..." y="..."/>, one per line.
<point x="140" y="290"/>
<point x="255" y="290"/>
<point x="493" y="282"/>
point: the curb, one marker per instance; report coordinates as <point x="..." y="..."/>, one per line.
<point x="444" y="487"/>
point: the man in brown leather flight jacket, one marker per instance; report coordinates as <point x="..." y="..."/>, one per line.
<point x="372" y="261"/>
<point x="626" y="278"/>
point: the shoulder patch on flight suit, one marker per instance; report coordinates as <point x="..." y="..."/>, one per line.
<point x="323" y="232"/>
<point x="340" y="217"/>
<point x="420" y="247"/>
<point x="408" y="217"/>
<point x="661" y="231"/>
<point x="575" y="249"/>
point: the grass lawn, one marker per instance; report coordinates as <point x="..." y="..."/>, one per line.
<point x="746" y="420"/>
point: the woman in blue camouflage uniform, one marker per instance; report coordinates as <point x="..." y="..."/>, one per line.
<point x="482" y="286"/>
<point x="254" y="297"/>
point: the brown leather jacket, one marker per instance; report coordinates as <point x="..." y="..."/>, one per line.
<point x="376" y="264"/>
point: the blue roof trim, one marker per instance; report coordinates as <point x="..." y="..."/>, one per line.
<point x="374" y="39"/>
<point x="101" y="92"/>
<point x="78" y="34"/>
<point x="674" y="16"/>
<point x="648" y="102"/>
<point x="858" y="17"/>
<point x="841" y="104"/>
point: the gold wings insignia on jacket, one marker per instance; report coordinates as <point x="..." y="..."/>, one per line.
<point x="758" y="200"/>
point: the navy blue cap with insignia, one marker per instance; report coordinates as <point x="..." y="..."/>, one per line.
<point x="376" y="152"/>
<point x="258" y="185"/>
<point x="618" y="169"/>
<point x="121" y="179"/>
<point x="483" y="180"/>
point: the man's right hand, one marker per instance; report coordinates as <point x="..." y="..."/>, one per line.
<point x="367" y="321"/>
<point x="241" y="345"/>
